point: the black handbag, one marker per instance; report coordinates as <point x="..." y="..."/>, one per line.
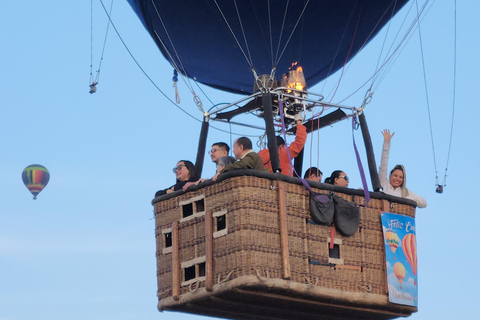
<point x="326" y="209"/>
<point x="322" y="208"/>
<point x="346" y="217"/>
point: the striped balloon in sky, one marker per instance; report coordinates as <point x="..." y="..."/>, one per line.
<point x="35" y="177"/>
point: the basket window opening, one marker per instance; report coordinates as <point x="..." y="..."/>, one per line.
<point x="221" y="222"/>
<point x="189" y="273"/>
<point x="187" y="210"/>
<point x="168" y="239"/>
<point x="200" y="205"/>
<point x="335" y="252"/>
<point x="201" y="269"/>
<point x="195" y="271"/>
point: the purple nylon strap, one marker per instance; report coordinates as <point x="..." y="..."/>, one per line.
<point x="360" y="166"/>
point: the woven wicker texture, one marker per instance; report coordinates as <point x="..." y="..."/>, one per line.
<point x="251" y="244"/>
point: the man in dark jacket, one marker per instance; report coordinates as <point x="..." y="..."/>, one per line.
<point x="246" y="157"/>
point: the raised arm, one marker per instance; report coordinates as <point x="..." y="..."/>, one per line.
<point x="300" y="138"/>
<point x="382" y="171"/>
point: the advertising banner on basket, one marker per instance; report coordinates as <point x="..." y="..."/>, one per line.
<point x="400" y="258"/>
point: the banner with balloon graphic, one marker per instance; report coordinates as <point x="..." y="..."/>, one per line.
<point x="400" y="258"/>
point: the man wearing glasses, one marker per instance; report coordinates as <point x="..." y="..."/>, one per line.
<point x="219" y="149"/>
<point x="246" y="157"/>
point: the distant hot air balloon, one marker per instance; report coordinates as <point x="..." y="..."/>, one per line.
<point x="409" y="245"/>
<point x="392" y="240"/>
<point x="399" y="271"/>
<point x="35" y="177"/>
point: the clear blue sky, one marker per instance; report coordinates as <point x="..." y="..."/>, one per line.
<point x="86" y="249"/>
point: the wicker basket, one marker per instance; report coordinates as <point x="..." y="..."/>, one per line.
<point x="246" y="248"/>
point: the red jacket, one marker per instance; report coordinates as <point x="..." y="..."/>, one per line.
<point x="295" y="148"/>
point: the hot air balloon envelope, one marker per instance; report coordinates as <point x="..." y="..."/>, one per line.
<point x="409" y="245"/>
<point x="392" y="240"/>
<point x="35" y="177"/>
<point x="399" y="271"/>
<point x="219" y="42"/>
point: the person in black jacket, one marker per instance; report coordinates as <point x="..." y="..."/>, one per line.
<point x="185" y="172"/>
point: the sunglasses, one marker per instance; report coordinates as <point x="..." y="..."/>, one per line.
<point x="178" y="168"/>
<point x="344" y="177"/>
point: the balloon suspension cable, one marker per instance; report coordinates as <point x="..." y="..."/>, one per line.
<point x="439" y="187"/>
<point x="249" y="61"/>
<point x="262" y="141"/>
<point x="171" y="58"/>
<point x="183" y="72"/>
<point x="94" y="81"/>
<point x="199" y="104"/>
<point x="151" y="80"/>
<point x="444" y="183"/>
<point x="255" y="75"/>
<point x="383" y="69"/>
<point x="366" y="100"/>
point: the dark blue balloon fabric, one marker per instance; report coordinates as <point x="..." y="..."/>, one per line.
<point x="219" y="42"/>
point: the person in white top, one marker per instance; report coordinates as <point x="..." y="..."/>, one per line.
<point x="395" y="185"/>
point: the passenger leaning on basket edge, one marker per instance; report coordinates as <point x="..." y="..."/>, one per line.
<point x="397" y="184"/>
<point x="185" y="172"/>
<point x="246" y="157"/>
<point x="219" y="151"/>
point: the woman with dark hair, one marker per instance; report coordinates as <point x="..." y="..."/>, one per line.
<point x="185" y="172"/>
<point x="338" y="178"/>
<point x="313" y="174"/>
<point x="395" y="185"/>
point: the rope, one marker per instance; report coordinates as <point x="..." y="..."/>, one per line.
<point x="197" y="286"/>
<point x="348" y="54"/>
<point x="260" y="277"/>
<point x="94" y="82"/>
<point x="293" y="30"/>
<point x="384" y="41"/>
<point x="270" y="30"/>
<point x="186" y="79"/>
<point x="338" y="48"/>
<point x="173" y="46"/>
<point x="150" y="79"/>
<point x="390" y="60"/>
<point x="391" y="46"/>
<point x="367" y="287"/>
<point x="243" y="31"/>
<point x="281" y="32"/>
<point x="454" y="90"/>
<point x="310" y="282"/>
<point x="175" y="80"/>
<point x="161" y="294"/>
<point x="389" y="63"/>
<point x="427" y="99"/>
<point x="233" y="34"/>
<point x="91" y="41"/>
<point x="224" y="279"/>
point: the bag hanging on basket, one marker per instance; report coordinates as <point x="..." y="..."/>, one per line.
<point x="322" y="208"/>
<point x="346" y="217"/>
